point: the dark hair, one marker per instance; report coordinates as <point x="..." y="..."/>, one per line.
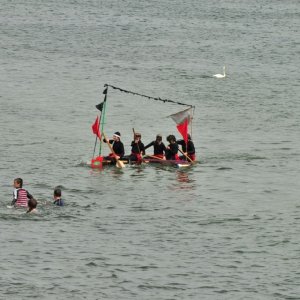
<point x="32" y="203"/>
<point x="57" y="192"/>
<point x="170" y="138"/>
<point x="19" y="181"/>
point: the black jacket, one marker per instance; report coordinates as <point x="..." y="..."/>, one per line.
<point x="159" y="148"/>
<point x="118" y="147"/>
<point x="137" y="148"/>
<point x="190" y="146"/>
<point x="170" y="153"/>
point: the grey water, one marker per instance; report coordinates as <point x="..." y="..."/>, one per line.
<point x="227" y="228"/>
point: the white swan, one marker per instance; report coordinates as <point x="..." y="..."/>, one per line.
<point x="220" y="75"/>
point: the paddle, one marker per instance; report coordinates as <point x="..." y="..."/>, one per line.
<point x="187" y="156"/>
<point x="119" y="163"/>
<point x="152" y="156"/>
<point x="137" y="144"/>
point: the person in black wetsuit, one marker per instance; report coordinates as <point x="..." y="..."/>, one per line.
<point x="117" y="146"/>
<point x="137" y="148"/>
<point x="172" y="149"/>
<point x="159" y="147"/>
<point x="188" y="149"/>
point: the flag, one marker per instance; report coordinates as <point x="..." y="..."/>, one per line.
<point x="100" y="106"/>
<point x="182" y="119"/>
<point x="95" y="128"/>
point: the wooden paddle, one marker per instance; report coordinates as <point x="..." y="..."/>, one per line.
<point x="152" y="156"/>
<point x="141" y="154"/>
<point x="119" y="163"/>
<point x="137" y="142"/>
<point x="189" y="159"/>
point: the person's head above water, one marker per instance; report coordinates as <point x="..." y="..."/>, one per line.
<point x="32" y="204"/>
<point x="18" y="183"/>
<point x="57" y="193"/>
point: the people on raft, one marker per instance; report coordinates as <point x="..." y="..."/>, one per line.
<point x="137" y="148"/>
<point x="57" y="197"/>
<point x="188" y="149"/>
<point x="159" y="147"/>
<point x="172" y="149"/>
<point x="20" y="195"/>
<point x="32" y="204"/>
<point x="117" y="146"/>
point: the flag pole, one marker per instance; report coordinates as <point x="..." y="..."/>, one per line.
<point x="103" y="118"/>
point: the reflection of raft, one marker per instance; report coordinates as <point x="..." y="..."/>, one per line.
<point x="100" y="162"/>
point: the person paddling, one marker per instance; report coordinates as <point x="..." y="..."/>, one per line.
<point x="188" y="149"/>
<point x="117" y="146"/>
<point x="172" y="148"/>
<point x="159" y="147"/>
<point x="137" y="148"/>
<point x="20" y="195"/>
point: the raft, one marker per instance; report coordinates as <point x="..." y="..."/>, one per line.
<point x="99" y="162"/>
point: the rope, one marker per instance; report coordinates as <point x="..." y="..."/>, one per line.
<point x="149" y="97"/>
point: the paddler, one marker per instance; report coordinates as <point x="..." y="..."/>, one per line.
<point x="172" y="148"/>
<point x="188" y="149"/>
<point x="117" y="146"/>
<point x="137" y="148"/>
<point x="159" y="147"/>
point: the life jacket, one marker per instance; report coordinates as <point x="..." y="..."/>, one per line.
<point x="176" y="156"/>
<point x="22" y="199"/>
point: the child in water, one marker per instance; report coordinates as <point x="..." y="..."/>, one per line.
<point x="57" y="197"/>
<point x="32" y="204"/>
<point x="20" y="195"/>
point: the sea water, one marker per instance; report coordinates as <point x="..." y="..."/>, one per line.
<point x="227" y="228"/>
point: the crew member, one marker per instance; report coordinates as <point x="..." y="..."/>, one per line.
<point x="188" y="149"/>
<point x="137" y="148"/>
<point x="117" y="146"/>
<point x="172" y="149"/>
<point x="159" y="147"/>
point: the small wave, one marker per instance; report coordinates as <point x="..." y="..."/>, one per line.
<point x="162" y="287"/>
<point x="91" y="264"/>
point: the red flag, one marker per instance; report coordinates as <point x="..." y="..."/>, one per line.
<point x="95" y="128"/>
<point x="182" y="119"/>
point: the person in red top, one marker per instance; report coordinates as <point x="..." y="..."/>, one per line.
<point x="20" y="195"/>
